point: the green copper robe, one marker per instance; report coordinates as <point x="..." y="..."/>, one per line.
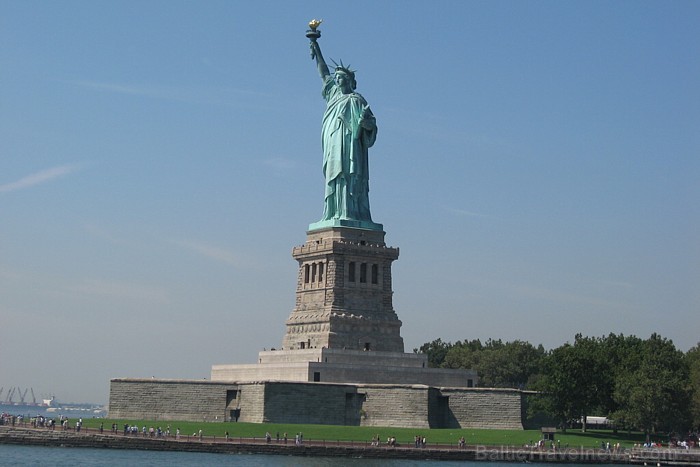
<point x="345" y="148"/>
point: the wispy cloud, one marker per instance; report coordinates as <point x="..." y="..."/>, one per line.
<point x="543" y="294"/>
<point x="212" y="252"/>
<point x="38" y="178"/>
<point x="280" y="164"/>
<point x="463" y="212"/>
<point x="619" y="284"/>
<point x="217" y="96"/>
<point x="6" y="274"/>
<point x="158" y="92"/>
<point x="100" y="232"/>
<point x="552" y="295"/>
<point x="121" y="290"/>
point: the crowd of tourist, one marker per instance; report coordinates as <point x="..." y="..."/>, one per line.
<point x="10" y="420"/>
<point x="40" y="422"/>
<point x="418" y="441"/>
<point x="690" y="441"/>
<point x="150" y="432"/>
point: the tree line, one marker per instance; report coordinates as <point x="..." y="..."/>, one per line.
<point x="639" y="384"/>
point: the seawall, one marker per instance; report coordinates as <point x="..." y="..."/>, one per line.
<point x="59" y="438"/>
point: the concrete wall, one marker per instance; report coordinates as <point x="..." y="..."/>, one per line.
<point x="398" y="405"/>
<point x="251" y="402"/>
<point x="310" y="403"/>
<point x="344" y="366"/>
<point x="355" y="357"/>
<point x="344" y="373"/>
<point x="484" y="407"/>
<point x="274" y="372"/>
<point x="349" y="373"/>
<point x="160" y="399"/>
<point x="395" y="405"/>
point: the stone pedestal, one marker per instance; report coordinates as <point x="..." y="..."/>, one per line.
<point x="343" y="328"/>
<point x="344" y="293"/>
<point x="344" y="366"/>
<point x="343" y="334"/>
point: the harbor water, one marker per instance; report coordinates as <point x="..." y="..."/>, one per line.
<point x="64" y="457"/>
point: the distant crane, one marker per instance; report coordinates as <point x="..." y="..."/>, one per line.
<point x="22" y="395"/>
<point x="10" y="394"/>
<point x="1" y="390"/>
<point x="33" y="398"/>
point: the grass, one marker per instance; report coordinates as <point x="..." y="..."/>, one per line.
<point x="332" y="433"/>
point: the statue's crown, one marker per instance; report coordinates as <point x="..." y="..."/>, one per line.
<point x="344" y="69"/>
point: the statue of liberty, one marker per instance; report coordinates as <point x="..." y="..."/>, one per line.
<point x="349" y="129"/>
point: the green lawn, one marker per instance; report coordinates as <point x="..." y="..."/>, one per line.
<point x="331" y="433"/>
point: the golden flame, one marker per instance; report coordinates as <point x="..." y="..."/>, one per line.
<point x="314" y="23"/>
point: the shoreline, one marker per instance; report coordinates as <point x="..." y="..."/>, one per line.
<point x="60" y="438"/>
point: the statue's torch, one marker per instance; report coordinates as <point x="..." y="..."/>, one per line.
<point x="313" y="34"/>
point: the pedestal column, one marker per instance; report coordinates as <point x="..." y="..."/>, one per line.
<point x="344" y="293"/>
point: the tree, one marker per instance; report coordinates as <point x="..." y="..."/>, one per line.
<point x="570" y="379"/>
<point x="436" y="351"/>
<point x="509" y="365"/>
<point x="618" y="355"/>
<point x="498" y="364"/>
<point x="466" y="355"/>
<point x="654" y="394"/>
<point x="693" y="359"/>
<point x="643" y="384"/>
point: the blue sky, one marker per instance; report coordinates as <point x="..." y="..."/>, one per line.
<point x="537" y="165"/>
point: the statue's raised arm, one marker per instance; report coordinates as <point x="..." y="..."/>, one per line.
<point x="313" y="34"/>
<point x="348" y="130"/>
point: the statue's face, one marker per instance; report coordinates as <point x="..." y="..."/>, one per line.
<point x="344" y="82"/>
